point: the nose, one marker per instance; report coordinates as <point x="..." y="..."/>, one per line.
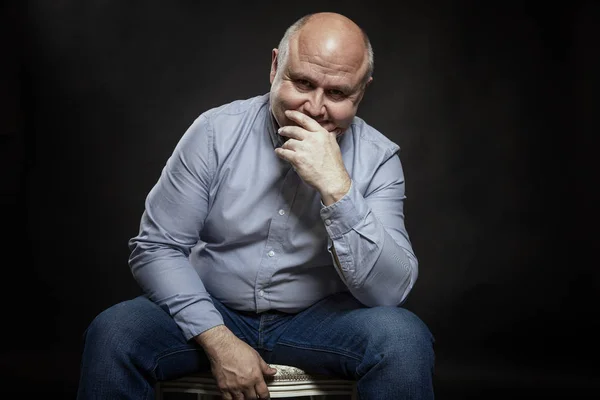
<point x="314" y="106"/>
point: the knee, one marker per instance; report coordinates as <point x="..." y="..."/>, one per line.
<point x="399" y="353"/>
<point x="114" y="327"/>
<point x="397" y="332"/>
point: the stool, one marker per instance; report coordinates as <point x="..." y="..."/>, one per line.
<point x="287" y="382"/>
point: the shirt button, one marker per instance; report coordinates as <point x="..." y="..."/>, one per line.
<point x="281" y="212"/>
<point x="261" y="293"/>
<point x="271" y="253"/>
<point x="327" y="222"/>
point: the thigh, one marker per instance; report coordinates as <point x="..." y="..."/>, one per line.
<point x="340" y="336"/>
<point x="143" y="333"/>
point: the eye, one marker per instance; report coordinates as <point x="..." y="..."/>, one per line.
<point x="336" y="94"/>
<point x="303" y="84"/>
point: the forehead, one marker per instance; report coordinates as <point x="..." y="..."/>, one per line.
<point x="326" y="61"/>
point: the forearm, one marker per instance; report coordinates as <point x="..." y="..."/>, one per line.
<point x="384" y="276"/>
<point x="376" y="262"/>
<point x="168" y="279"/>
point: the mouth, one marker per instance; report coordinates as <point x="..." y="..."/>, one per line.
<point x="337" y="131"/>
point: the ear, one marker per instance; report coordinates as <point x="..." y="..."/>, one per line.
<point x="273" y="65"/>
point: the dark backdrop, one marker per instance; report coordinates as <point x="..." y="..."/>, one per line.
<point x="491" y="103"/>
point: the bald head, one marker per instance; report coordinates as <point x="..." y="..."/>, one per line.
<point x="331" y="34"/>
<point x="331" y="24"/>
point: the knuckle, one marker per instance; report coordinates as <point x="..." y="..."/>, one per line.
<point x="226" y="388"/>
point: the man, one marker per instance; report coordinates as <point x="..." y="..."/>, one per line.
<point x="276" y="234"/>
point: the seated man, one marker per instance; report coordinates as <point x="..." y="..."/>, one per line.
<point x="275" y="234"/>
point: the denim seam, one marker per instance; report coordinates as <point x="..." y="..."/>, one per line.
<point x="260" y="338"/>
<point x="322" y="349"/>
<point x="169" y="353"/>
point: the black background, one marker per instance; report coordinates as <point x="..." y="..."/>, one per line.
<point x="490" y="101"/>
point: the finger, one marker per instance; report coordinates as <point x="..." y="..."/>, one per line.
<point x="226" y="396"/>
<point x="291" y="144"/>
<point x="286" y="154"/>
<point x="293" y="132"/>
<point x="262" y="390"/>
<point x="239" y="396"/>
<point x="303" y="120"/>
<point x="250" y="393"/>
<point x="266" y="368"/>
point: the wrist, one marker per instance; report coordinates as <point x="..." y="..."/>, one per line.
<point x="334" y="193"/>
<point x="213" y="338"/>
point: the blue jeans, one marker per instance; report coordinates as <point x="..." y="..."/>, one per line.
<point x="388" y="350"/>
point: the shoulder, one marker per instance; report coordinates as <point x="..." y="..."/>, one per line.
<point x="227" y="122"/>
<point x="236" y="109"/>
<point x="224" y="121"/>
<point x="368" y="138"/>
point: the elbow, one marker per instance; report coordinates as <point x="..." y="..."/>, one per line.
<point x="136" y="254"/>
<point x="386" y="292"/>
<point x="370" y="299"/>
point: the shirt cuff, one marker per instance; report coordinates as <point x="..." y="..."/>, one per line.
<point x="342" y="216"/>
<point x="197" y="318"/>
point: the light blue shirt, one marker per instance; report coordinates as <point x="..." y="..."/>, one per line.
<point x="228" y="219"/>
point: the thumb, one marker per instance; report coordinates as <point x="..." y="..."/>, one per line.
<point x="266" y="369"/>
<point x="336" y="132"/>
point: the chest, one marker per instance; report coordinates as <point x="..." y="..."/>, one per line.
<point x="254" y="199"/>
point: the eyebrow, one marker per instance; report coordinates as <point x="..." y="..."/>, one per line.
<point x="343" y="88"/>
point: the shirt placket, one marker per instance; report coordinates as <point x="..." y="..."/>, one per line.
<point x="273" y="249"/>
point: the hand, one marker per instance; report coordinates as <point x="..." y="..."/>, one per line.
<point x="238" y="369"/>
<point x="316" y="156"/>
